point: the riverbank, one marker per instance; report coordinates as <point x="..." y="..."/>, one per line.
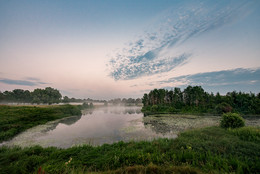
<point x="205" y="150"/>
<point x="15" y="119"/>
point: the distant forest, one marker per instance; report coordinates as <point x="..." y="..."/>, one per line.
<point x="46" y="96"/>
<point x="194" y="99"/>
<point x="50" y="95"/>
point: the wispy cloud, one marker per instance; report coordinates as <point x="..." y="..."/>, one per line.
<point x="142" y="68"/>
<point x="227" y="80"/>
<point x="218" y="78"/>
<point x="28" y="82"/>
<point x="150" y="53"/>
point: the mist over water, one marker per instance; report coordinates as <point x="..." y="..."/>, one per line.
<point x="94" y="127"/>
<point x="107" y="125"/>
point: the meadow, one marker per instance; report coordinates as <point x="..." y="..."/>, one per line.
<point x="205" y="150"/>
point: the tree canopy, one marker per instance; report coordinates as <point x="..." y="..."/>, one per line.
<point x="46" y="96"/>
<point x="195" y="99"/>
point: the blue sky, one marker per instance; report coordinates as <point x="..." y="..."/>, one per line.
<point x="105" y="49"/>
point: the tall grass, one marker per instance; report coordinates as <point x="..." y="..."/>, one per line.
<point x="212" y="149"/>
<point x="15" y="119"/>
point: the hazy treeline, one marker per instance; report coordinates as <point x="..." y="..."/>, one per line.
<point x="50" y="95"/>
<point x="194" y="99"/>
<point x="124" y="101"/>
<point x="66" y="99"/>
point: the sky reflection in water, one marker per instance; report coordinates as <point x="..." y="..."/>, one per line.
<point x="94" y="127"/>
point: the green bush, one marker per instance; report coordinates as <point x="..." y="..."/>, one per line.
<point x="223" y="108"/>
<point x="232" y="120"/>
<point x="172" y="109"/>
<point x="154" y="108"/>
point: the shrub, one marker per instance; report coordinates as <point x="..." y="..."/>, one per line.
<point x="154" y="108"/>
<point x="223" y="108"/>
<point x="172" y="109"/>
<point x="232" y="120"/>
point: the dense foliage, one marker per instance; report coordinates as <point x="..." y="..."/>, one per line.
<point x="15" y="119"/>
<point x="194" y="99"/>
<point x="210" y="150"/>
<point x="46" y="96"/>
<point x="232" y="120"/>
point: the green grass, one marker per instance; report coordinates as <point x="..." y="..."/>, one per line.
<point x="15" y="119"/>
<point x="207" y="150"/>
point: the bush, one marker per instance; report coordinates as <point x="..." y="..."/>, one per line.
<point x="154" y="108"/>
<point x="172" y="109"/>
<point x="232" y="120"/>
<point x="223" y="108"/>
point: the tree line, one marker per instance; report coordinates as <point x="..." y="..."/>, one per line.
<point x="50" y="95"/>
<point x="194" y="99"/>
<point x="47" y="96"/>
<point x="125" y="101"/>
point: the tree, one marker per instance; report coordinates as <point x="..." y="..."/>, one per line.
<point x="47" y="95"/>
<point x="66" y="99"/>
<point x="85" y="105"/>
<point x="195" y="99"/>
<point x="1" y="96"/>
<point x="138" y="101"/>
<point x="145" y="100"/>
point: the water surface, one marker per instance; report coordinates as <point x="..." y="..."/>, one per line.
<point x="113" y="124"/>
<point x="94" y="127"/>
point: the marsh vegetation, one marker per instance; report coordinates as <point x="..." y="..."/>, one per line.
<point x="117" y="139"/>
<point x="211" y="149"/>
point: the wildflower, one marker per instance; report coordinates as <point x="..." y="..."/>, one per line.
<point x="66" y="163"/>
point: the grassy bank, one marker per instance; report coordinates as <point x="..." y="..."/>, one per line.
<point x="211" y="149"/>
<point x="15" y="119"/>
<point x="164" y="109"/>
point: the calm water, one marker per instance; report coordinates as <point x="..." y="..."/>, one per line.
<point x="95" y="127"/>
<point x="112" y="124"/>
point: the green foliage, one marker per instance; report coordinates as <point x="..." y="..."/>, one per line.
<point x="194" y="100"/>
<point x="66" y="99"/>
<point x="232" y="120"/>
<point x="46" y="96"/>
<point x="15" y="119"/>
<point x="209" y="150"/>
<point x="223" y="108"/>
<point x="247" y="134"/>
<point x="154" y="108"/>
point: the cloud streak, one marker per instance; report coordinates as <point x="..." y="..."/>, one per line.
<point x="28" y="82"/>
<point x="153" y="52"/>
<point x="237" y="79"/>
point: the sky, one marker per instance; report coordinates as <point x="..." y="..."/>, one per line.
<point x="104" y="49"/>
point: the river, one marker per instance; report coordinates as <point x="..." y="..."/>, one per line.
<point x="109" y="125"/>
